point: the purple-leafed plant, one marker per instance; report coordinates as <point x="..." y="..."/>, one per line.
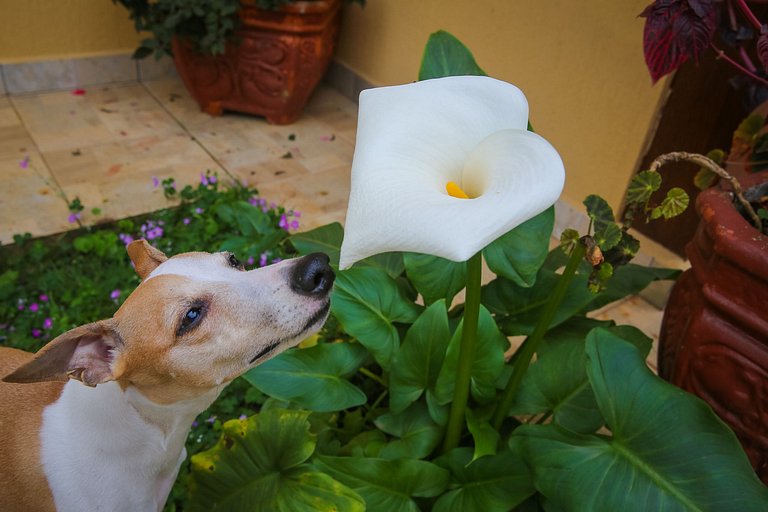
<point x="678" y="30"/>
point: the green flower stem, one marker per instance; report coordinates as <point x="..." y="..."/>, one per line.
<point x="466" y="353"/>
<point x="368" y="373"/>
<point x="532" y="343"/>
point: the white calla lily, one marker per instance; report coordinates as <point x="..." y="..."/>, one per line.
<point x="412" y="140"/>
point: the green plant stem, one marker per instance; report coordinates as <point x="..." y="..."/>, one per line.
<point x="532" y="343"/>
<point x="368" y="373"/>
<point x="466" y="353"/>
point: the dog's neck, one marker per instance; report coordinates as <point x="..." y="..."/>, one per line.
<point x="114" y="447"/>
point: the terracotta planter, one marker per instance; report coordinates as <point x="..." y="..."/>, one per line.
<point x="714" y="336"/>
<point x="280" y="59"/>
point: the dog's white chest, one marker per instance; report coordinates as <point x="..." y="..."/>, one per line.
<point x="99" y="453"/>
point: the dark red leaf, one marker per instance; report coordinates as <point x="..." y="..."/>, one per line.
<point x="762" y="47"/>
<point x="675" y="31"/>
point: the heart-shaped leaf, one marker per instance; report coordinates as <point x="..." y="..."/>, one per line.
<point x="418" y="361"/>
<point x="445" y="55"/>
<point x="495" y="483"/>
<point x="418" y="434"/>
<point x="259" y="464"/>
<point x="314" y="378"/>
<point x="487" y="366"/>
<point x="387" y="485"/>
<point x="519" y="254"/>
<point x="435" y="278"/>
<point x="667" y="451"/>
<point x="367" y="302"/>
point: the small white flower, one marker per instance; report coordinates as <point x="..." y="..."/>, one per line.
<point x="412" y="140"/>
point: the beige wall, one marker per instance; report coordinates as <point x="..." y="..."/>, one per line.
<point x="51" y="29"/>
<point x="579" y="63"/>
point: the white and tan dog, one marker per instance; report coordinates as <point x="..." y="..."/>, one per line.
<point x="97" y="419"/>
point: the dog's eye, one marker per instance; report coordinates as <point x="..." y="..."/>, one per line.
<point x="190" y="319"/>
<point x="235" y="263"/>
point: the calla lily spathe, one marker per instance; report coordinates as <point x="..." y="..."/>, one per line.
<point x="413" y="139"/>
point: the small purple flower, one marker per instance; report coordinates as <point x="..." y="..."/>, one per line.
<point x="212" y="179"/>
<point x="203" y="180"/>
<point x="21" y="306"/>
<point x="73" y="217"/>
<point x="253" y="201"/>
<point x="297" y="214"/>
<point x="295" y="224"/>
<point x="36" y="333"/>
<point x="125" y="238"/>
<point x="155" y="182"/>
<point x="48" y="323"/>
<point x="155" y="232"/>
<point x="211" y="419"/>
<point x="115" y="294"/>
<point x="186" y="220"/>
<point x="34" y="307"/>
<point x="242" y="417"/>
<point x="194" y="424"/>
<point x="250" y="261"/>
<point x="43" y="297"/>
<point x="24" y="164"/>
<point x="283" y="222"/>
<point x="263" y="260"/>
<point x="198" y="210"/>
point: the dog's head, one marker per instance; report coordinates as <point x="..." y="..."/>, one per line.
<point x="197" y="321"/>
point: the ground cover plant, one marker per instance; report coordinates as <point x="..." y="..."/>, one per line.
<point x="363" y="415"/>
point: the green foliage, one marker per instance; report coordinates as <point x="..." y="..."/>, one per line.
<point x="667" y="450"/>
<point x="260" y="464"/>
<point x="705" y="178"/>
<point x="445" y="56"/>
<point x="314" y="378"/>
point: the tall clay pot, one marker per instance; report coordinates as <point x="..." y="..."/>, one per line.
<point x="278" y="60"/>
<point x="714" y="335"/>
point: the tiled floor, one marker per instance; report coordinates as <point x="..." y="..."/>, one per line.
<point x="104" y="144"/>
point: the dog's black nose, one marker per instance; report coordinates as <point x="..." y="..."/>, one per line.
<point x="312" y="275"/>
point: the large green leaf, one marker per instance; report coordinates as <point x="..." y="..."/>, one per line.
<point x="486" y="368"/>
<point x="496" y="483"/>
<point x="557" y="382"/>
<point x="519" y="254"/>
<point x="391" y="262"/>
<point x="642" y="187"/>
<point x="444" y="56"/>
<point x="387" y="485"/>
<point x="519" y="308"/>
<point x="435" y="278"/>
<point x="417" y="434"/>
<point x="314" y="378"/>
<point x="599" y="211"/>
<point x="326" y="239"/>
<point x="259" y="464"/>
<point x="417" y="362"/>
<point x="367" y="302"/>
<point x="668" y="450"/>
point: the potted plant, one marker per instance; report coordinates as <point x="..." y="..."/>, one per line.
<point x="714" y="331"/>
<point x="262" y="57"/>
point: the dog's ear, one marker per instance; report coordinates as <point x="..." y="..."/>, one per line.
<point x="85" y="353"/>
<point x="145" y="257"/>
